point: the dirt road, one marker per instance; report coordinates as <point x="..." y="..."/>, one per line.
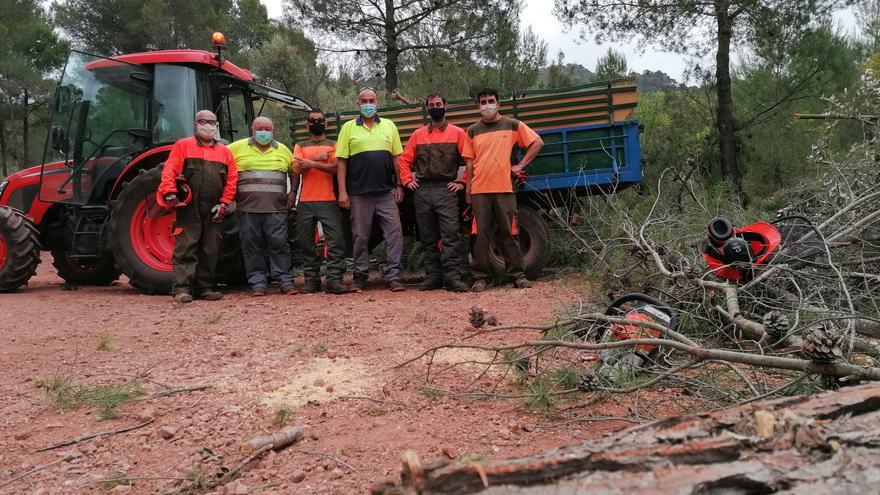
<point x="325" y="362"/>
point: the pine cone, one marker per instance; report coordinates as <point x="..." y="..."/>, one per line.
<point x="478" y="317"/>
<point x="587" y="381"/>
<point x="693" y="271"/>
<point x="823" y="343"/>
<point x="776" y="325"/>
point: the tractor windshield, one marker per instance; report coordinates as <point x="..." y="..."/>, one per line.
<point x="99" y="121"/>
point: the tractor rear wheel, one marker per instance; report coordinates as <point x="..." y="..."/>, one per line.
<point x="141" y="238"/>
<point x="19" y="249"/>
<point x="85" y="271"/>
<point x="140" y="234"/>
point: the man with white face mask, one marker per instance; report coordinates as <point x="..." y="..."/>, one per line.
<point x="489" y="188"/>
<point x="263" y="168"/>
<point x="367" y="173"/>
<point x="209" y="171"/>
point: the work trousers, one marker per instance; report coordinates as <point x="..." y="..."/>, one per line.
<point x="495" y="214"/>
<point x="437" y="220"/>
<point x="196" y="248"/>
<point x="308" y="214"/>
<point x="365" y="207"/>
<point x="265" y="247"/>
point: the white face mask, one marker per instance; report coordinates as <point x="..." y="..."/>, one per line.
<point x="206" y="131"/>
<point x="489" y="110"/>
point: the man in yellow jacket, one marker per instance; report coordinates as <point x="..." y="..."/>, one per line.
<point x="263" y="168"/>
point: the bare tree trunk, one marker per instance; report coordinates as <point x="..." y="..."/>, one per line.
<point x="392" y="52"/>
<point x="4" y="152"/>
<point x="800" y="444"/>
<point x="725" y="118"/>
<point x="25" y="129"/>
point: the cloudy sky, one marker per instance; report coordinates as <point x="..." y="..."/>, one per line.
<point x="539" y="15"/>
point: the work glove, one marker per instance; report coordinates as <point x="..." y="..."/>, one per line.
<point x="219" y="211"/>
<point x="171" y="200"/>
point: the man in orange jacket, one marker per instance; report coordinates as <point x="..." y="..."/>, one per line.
<point x="429" y="166"/>
<point x="210" y="173"/>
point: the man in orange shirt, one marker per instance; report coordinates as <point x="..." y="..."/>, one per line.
<point x="490" y="188"/>
<point x="429" y="167"/>
<point x="314" y="164"/>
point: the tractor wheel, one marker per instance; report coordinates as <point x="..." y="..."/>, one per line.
<point x="19" y="249"/>
<point x="140" y="234"/>
<point x="534" y="242"/>
<point x="85" y="271"/>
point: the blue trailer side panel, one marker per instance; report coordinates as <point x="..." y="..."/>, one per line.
<point x="587" y="156"/>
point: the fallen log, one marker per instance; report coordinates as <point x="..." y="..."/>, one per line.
<point x="827" y="443"/>
<point x="277" y="441"/>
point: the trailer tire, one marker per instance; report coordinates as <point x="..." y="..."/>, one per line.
<point x="19" y="249"/>
<point x="534" y="243"/>
<point x="85" y="271"/>
<point x="142" y="243"/>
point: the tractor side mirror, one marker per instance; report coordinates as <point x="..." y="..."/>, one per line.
<point x="59" y="139"/>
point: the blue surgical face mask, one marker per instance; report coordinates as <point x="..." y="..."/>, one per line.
<point x="263" y="137"/>
<point x="368" y="110"/>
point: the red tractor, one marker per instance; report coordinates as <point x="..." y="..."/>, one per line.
<point x="92" y="202"/>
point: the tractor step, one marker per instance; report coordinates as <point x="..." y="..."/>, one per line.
<point x="89" y="231"/>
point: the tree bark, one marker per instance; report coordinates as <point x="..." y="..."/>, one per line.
<point x="3" y="151"/>
<point x="392" y="51"/>
<point x="25" y="129"/>
<point x="827" y="443"/>
<point x="725" y="122"/>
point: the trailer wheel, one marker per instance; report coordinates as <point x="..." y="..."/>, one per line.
<point x="19" y="249"/>
<point x="140" y="234"/>
<point x="85" y="271"/>
<point x="534" y="243"/>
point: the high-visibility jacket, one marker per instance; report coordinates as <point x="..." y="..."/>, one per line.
<point x="209" y="169"/>
<point x="434" y="153"/>
<point x="262" y="176"/>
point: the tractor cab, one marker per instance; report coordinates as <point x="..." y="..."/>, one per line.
<point x="109" y="111"/>
<point x="112" y="125"/>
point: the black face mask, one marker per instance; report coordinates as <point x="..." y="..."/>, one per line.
<point x="437" y="113"/>
<point x="317" y="128"/>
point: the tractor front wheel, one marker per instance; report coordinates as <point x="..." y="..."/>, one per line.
<point x="19" y="249"/>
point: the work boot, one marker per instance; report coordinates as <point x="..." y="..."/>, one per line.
<point x="479" y="285"/>
<point x="335" y="287"/>
<point x="396" y="286"/>
<point x="456" y="286"/>
<point x="431" y="283"/>
<point x="182" y="298"/>
<point x="312" y="286"/>
<point x="289" y="290"/>
<point x="522" y="283"/>
<point x="209" y="295"/>
<point x="360" y="281"/>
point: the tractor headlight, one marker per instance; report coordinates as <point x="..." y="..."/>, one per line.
<point x="3" y="187"/>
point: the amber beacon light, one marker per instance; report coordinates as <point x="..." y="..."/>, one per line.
<point x="218" y="41"/>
